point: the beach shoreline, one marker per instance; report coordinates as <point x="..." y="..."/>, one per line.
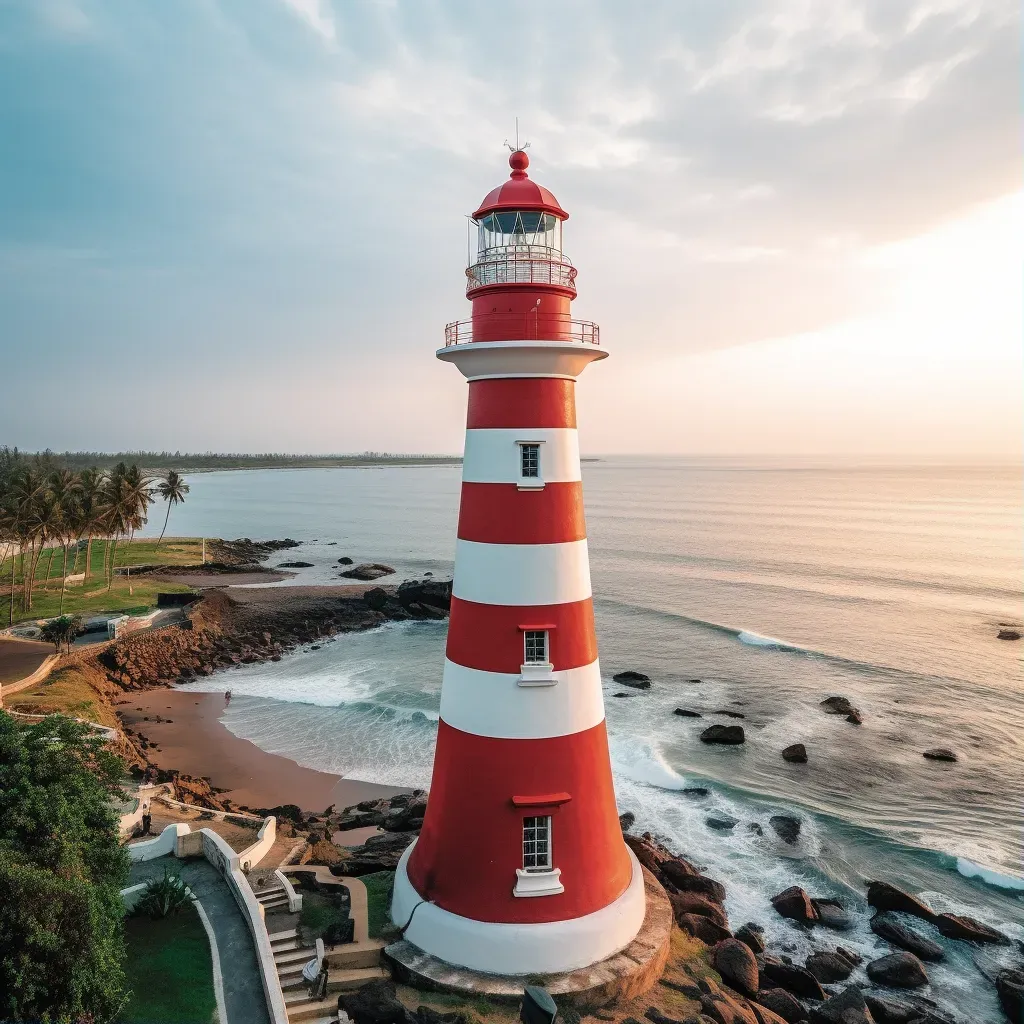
<point x="191" y="738"/>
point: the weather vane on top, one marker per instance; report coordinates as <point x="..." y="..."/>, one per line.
<point x="518" y="148"/>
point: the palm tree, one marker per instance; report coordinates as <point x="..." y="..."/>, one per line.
<point x="90" y="510"/>
<point x="128" y="497"/>
<point x="173" y="490"/>
<point x="26" y="497"/>
<point x="66" y="488"/>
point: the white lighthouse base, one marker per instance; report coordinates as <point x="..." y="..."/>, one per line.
<point x="511" y="949"/>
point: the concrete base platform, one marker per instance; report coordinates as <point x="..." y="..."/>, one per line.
<point x="624" y="975"/>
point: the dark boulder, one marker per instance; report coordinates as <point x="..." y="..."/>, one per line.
<point x="797" y="980"/>
<point x="685" y="903"/>
<point x="686" y="713"/>
<point x="627" y="820"/>
<point x="374" y="1003"/>
<point x="702" y="928"/>
<point x="425" y="593"/>
<point x="294" y="565"/>
<point x="837" y="706"/>
<point x="829" y="967"/>
<point x="696" y="791"/>
<point x="428" y="1015"/>
<point x="794" y="903"/>
<point x="954" y="926"/>
<point x="635" y="679"/>
<point x="1010" y="989"/>
<point x="375" y="598"/>
<point x="883" y="896"/>
<point x="855" y="718"/>
<point x="722" y="822"/>
<point x="898" y="970"/>
<point x="784" y="1003"/>
<point x="786" y="827"/>
<point x="849" y="1007"/>
<point x="697" y="883"/>
<point x="368" y="571"/>
<point x="831" y="914"/>
<point x="854" y="959"/>
<point x="795" y="753"/>
<point x="736" y="963"/>
<point x="648" y="851"/>
<point x="940" y="754"/>
<point x="887" y="1011"/>
<point x="1008" y="634"/>
<point x="728" y="714"/>
<point x="728" y="734"/>
<point x="889" y="927"/>
<point x="344" y="560"/>
<point x="752" y="935"/>
<point x="679" y="871"/>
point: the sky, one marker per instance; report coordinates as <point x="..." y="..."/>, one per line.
<point x="239" y="225"/>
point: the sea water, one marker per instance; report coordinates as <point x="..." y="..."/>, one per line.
<point x="757" y="587"/>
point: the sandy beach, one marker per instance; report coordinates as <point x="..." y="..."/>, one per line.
<point x="196" y="742"/>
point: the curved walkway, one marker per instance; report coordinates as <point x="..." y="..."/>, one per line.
<point x="243" y="987"/>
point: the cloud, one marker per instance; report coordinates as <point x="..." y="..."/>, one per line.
<point x="317" y="15"/>
<point x="282" y="183"/>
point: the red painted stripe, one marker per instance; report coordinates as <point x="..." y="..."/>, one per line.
<point x="547" y="800"/>
<point x="489" y="637"/>
<point x="504" y="514"/>
<point x="521" y="402"/>
<point x="471" y="841"/>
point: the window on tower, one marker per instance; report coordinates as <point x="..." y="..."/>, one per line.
<point x="529" y="458"/>
<point x="537" y="843"/>
<point x="536" y="644"/>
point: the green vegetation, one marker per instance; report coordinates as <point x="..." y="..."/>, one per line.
<point x="67" y="691"/>
<point x="169" y="970"/>
<point x="61" y="632"/>
<point x="164" y="896"/>
<point x="319" y="912"/>
<point x="162" y="462"/>
<point x="61" y="871"/>
<point x="379" y="886"/>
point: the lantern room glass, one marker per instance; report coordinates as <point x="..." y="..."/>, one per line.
<point x="514" y="228"/>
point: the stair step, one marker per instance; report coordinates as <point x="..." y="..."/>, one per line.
<point x="343" y="981"/>
<point x="285" y="946"/>
<point x="355" y="954"/>
<point x="285" y="958"/>
<point x="264" y="889"/>
<point x="281" y="901"/>
<point x="290" y="933"/>
<point x="307" y="1009"/>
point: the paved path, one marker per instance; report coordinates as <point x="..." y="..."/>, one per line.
<point x="19" y="659"/>
<point x="243" y="987"/>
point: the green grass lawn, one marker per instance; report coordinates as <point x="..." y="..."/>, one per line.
<point x="93" y="597"/>
<point x="379" y="886"/>
<point x="319" y="913"/>
<point x="169" y="971"/>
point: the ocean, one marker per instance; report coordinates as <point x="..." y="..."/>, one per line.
<point x="755" y="586"/>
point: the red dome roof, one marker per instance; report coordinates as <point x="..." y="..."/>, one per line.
<point x="519" y="193"/>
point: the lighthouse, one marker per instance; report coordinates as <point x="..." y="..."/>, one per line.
<point x="520" y="867"/>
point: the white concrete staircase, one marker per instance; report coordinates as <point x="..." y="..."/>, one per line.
<point x="273" y="897"/>
<point x="348" y="966"/>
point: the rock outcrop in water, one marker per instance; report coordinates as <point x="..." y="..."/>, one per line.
<point x="368" y="571"/>
<point x="631" y="678"/>
<point x="795" y="753"/>
<point x="729" y="735"/>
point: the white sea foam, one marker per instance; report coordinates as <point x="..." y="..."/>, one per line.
<point x="971" y="870"/>
<point x="756" y="640"/>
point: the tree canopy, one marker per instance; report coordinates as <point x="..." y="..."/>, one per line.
<point x="61" y="872"/>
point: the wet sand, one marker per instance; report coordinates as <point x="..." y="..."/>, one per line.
<point x="196" y="742"/>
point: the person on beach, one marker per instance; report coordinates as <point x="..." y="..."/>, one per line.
<point x="147" y="820"/>
<point x="227" y="697"/>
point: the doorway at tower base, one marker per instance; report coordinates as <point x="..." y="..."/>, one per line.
<point x="620" y="950"/>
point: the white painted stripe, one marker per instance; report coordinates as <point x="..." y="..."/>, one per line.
<point x="521" y="574"/>
<point x="492" y="454"/>
<point x="520" y="948"/>
<point x="495" y="704"/>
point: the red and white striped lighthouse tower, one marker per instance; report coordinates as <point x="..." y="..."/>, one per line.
<point x="520" y="867"/>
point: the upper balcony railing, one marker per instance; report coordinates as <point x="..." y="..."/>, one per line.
<point x="521" y="264"/>
<point x="531" y="326"/>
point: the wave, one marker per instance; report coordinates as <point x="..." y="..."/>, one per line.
<point x="997" y="880"/>
<point x="754" y="639"/>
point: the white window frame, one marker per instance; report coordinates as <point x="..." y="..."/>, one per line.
<point x="530" y="482"/>
<point x="537" y="673"/>
<point x="537" y="879"/>
<point x="531" y="658"/>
